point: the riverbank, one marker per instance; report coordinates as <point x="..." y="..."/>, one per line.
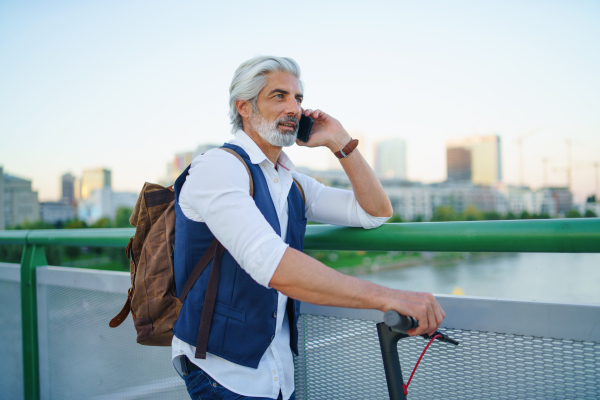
<point x="362" y="263"/>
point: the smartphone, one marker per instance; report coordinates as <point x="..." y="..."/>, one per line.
<point x="304" y="128"/>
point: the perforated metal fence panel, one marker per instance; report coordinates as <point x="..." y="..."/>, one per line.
<point x="11" y="340"/>
<point x="340" y="359"/>
<point x="82" y="358"/>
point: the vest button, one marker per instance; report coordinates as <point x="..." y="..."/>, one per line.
<point x="272" y="338"/>
<point x="275" y="314"/>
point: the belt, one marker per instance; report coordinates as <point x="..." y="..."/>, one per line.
<point x="187" y="365"/>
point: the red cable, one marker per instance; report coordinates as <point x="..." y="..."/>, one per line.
<point x="405" y="387"/>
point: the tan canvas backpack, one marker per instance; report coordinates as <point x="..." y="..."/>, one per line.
<point x="152" y="298"/>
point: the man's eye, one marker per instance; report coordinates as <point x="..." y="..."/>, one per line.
<point x="279" y="95"/>
<point x="299" y="101"/>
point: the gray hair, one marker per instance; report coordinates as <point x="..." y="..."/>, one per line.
<point x="251" y="77"/>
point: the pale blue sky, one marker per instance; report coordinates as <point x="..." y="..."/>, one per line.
<point x="126" y="84"/>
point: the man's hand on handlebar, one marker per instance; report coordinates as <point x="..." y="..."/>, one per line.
<point x="422" y="306"/>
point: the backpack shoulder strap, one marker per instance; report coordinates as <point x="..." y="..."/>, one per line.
<point x="213" y="253"/>
<point x="300" y="189"/>
<point x="245" y="165"/>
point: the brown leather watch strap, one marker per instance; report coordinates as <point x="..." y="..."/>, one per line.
<point x="347" y="150"/>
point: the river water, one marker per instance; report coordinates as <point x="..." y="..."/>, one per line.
<point x="546" y="277"/>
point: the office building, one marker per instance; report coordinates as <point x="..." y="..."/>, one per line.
<point x="104" y="203"/>
<point x="54" y="212"/>
<point x="68" y="188"/>
<point x="20" y="203"/>
<point x="93" y="179"/>
<point x="474" y="158"/>
<point x="2" y="226"/>
<point x="181" y="161"/>
<point x="390" y="159"/>
<point x="459" y="164"/>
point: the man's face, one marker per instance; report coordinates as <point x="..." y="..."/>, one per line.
<point x="278" y="109"/>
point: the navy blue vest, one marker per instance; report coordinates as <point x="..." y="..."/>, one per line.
<point x="243" y="321"/>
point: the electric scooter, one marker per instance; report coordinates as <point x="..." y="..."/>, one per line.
<point x="390" y="331"/>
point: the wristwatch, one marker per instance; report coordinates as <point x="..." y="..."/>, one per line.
<point x="343" y="153"/>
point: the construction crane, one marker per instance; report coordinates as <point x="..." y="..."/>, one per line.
<point x="519" y="141"/>
<point x="596" y="166"/>
<point x="569" y="168"/>
<point x="545" y="161"/>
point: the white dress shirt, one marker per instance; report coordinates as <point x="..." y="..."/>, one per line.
<point x="216" y="192"/>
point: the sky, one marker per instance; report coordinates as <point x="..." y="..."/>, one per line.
<point x="127" y="84"/>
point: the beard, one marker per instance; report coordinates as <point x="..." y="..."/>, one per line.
<point x="269" y="130"/>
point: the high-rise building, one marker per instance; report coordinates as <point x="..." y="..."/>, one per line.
<point x="68" y="188"/>
<point x="475" y="158"/>
<point x="104" y="203"/>
<point x="390" y="159"/>
<point x="93" y="179"/>
<point x="182" y="160"/>
<point x="2" y="226"/>
<point x="20" y="203"/>
<point x="459" y="164"/>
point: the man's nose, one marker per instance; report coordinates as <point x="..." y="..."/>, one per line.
<point x="293" y="108"/>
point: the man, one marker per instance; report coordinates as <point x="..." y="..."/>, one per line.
<point x="264" y="273"/>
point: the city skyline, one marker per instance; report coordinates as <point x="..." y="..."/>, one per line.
<point x="155" y="83"/>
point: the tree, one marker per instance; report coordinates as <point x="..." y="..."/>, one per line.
<point x="75" y="224"/>
<point x="395" y="219"/>
<point x="32" y="225"/>
<point x="471" y="214"/>
<point x="419" y="218"/>
<point x="71" y="251"/>
<point x="444" y="213"/>
<point x="541" y="216"/>
<point x="102" y="223"/>
<point x="53" y="253"/>
<point x="510" y="215"/>
<point x="590" y="214"/>
<point x="492" y="216"/>
<point x="573" y="213"/>
<point x="122" y="217"/>
<point x="525" y="215"/>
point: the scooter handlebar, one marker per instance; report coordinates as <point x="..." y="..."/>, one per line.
<point x="398" y="321"/>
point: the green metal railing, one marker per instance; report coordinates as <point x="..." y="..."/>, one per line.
<point x="549" y="236"/>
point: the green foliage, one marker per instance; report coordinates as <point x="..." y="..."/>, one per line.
<point x="396" y="218"/>
<point x="471" y="214"/>
<point x="525" y="215"/>
<point x="102" y="223"/>
<point x="444" y="213"/>
<point x="11" y="253"/>
<point x="510" y="215"/>
<point x="75" y="224"/>
<point x="419" y="218"/>
<point x="53" y="253"/>
<point x="573" y="213"/>
<point x="492" y="216"/>
<point x="73" y="252"/>
<point x="590" y="214"/>
<point x="122" y="217"/>
<point x="541" y="216"/>
<point x="26" y="225"/>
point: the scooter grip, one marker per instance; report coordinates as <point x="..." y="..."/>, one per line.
<point x="398" y="321"/>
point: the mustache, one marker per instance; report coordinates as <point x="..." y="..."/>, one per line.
<point x="289" y="118"/>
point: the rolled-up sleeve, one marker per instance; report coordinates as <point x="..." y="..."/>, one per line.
<point x="216" y="191"/>
<point x="329" y="205"/>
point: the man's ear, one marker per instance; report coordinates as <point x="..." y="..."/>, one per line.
<point x="244" y="107"/>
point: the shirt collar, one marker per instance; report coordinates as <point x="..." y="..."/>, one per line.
<point x="256" y="154"/>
